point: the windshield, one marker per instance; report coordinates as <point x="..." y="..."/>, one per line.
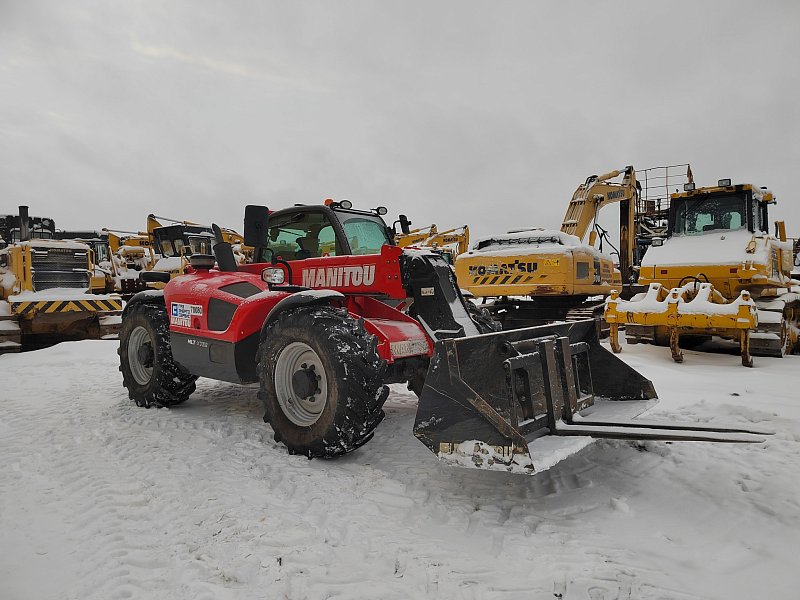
<point x="36" y="233"/>
<point x="200" y="244"/>
<point x="710" y="213"/>
<point x="365" y="233"/>
<point x="101" y="252"/>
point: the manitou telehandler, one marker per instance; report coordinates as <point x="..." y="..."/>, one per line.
<point x="332" y="311"/>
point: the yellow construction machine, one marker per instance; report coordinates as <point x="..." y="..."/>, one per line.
<point x="176" y="242"/>
<point x="539" y="276"/>
<point x="131" y="253"/>
<point x="102" y="276"/>
<point x="449" y="243"/>
<point x="717" y="272"/>
<point x="46" y="287"/>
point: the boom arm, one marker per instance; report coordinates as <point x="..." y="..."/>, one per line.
<point x="597" y="192"/>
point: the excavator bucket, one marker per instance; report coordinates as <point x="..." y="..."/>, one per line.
<point x="522" y="400"/>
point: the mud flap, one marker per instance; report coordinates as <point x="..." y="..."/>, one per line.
<point x="500" y="401"/>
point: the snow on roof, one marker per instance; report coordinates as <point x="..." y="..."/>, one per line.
<point x="536" y="240"/>
<point x="40" y="243"/>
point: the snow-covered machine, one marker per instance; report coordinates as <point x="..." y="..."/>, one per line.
<point x="450" y="243"/>
<point x="540" y="275"/>
<point x="717" y="272"/>
<point x="102" y="279"/>
<point x="332" y="310"/>
<point x="45" y="287"/>
<point x="175" y="243"/>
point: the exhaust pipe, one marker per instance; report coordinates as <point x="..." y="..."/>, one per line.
<point x="24" y="224"/>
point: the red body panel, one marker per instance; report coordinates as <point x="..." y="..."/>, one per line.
<point x="357" y="277"/>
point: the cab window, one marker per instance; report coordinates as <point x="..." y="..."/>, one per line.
<point x="366" y="234"/>
<point x="696" y="216"/>
<point x="200" y="245"/>
<point x="301" y="235"/>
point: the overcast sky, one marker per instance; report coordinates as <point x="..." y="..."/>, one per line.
<point x="484" y="113"/>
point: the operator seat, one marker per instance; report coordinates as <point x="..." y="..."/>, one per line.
<point x="309" y="248"/>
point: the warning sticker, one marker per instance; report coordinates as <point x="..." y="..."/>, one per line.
<point x="181" y="314"/>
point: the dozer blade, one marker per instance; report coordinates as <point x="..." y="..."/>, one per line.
<point x="522" y="400"/>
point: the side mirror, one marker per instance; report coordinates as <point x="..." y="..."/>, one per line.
<point x="405" y="224"/>
<point x="256" y="225"/>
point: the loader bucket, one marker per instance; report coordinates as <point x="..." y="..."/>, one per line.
<point x="522" y="400"/>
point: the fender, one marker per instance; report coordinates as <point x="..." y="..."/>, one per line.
<point x="145" y="297"/>
<point x="304" y="298"/>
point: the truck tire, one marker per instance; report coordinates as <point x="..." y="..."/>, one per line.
<point x="149" y="372"/>
<point x="321" y="381"/>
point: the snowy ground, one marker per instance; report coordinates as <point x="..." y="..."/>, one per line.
<point x="100" y="499"/>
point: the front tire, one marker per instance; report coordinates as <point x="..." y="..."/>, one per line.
<point x="321" y="381"/>
<point x="149" y="372"/>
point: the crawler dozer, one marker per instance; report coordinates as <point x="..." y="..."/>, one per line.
<point x="324" y="332"/>
<point x="718" y="272"/>
<point x="45" y="287"/>
<point x="537" y="276"/>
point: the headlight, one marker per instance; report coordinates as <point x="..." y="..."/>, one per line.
<point x="273" y="275"/>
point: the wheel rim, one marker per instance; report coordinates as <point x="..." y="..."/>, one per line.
<point x="140" y="355"/>
<point x="296" y="368"/>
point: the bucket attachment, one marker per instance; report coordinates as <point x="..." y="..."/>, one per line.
<point x="525" y="399"/>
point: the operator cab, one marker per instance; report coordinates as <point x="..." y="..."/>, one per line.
<point x="39" y="229"/>
<point x="183" y="240"/>
<point x="332" y="229"/>
<point x="724" y="207"/>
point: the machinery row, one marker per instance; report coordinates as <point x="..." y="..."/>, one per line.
<point x="687" y="266"/>
<point x="324" y="305"/>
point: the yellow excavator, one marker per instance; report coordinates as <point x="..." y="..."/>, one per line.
<point x="717" y="272"/>
<point x="449" y="243"/>
<point x="537" y="276"/>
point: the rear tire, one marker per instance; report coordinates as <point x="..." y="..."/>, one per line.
<point x="149" y="372"/>
<point x="321" y="381"/>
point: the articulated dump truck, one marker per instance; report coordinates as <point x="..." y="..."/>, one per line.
<point x="718" y="272"/>
<point x="323" y="331"/>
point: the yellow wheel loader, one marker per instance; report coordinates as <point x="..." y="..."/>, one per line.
<point x="45" y="287"/>
<point x="537" y="276"/>
<point x="718" y="272"/>
<point x="102" y="279"/>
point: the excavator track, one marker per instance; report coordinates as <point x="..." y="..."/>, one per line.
<point x="516" y="314"/>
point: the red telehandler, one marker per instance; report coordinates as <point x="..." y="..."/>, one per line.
<point x="331" y="311"/>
